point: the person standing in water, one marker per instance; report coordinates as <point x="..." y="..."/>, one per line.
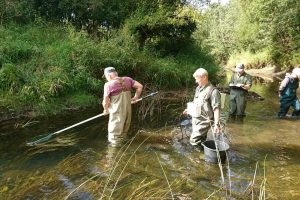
<point x="206" y="109"/>
<point x="117" y="103"/>
<point x="287" y="94"/>
<point x="239" y="84"/>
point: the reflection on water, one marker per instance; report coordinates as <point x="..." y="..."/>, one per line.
<point x="158" y="163"/>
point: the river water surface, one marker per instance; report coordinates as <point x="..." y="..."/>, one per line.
<point x="263" y="160"/>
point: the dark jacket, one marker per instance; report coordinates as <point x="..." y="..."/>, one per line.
<point x="288" y="87"/>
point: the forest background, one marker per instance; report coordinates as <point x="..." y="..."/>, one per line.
<point x="53" y="52"/>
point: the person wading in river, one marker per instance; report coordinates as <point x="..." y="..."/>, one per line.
<point x="287" y="94"/>
<point x="206" y="109"/>
<point x="239" y="84"/>
<point x="117" y="103"/>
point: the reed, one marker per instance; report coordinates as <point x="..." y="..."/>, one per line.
<point x="114" y="166"/>
<point x="165" y="176"/>
<point x="115" y="184"/>
<point x="262" y="191"/>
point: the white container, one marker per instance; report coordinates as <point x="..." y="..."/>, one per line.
<point x="193" y="109"/>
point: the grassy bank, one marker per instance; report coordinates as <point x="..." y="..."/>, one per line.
<point x="49" y="68"/>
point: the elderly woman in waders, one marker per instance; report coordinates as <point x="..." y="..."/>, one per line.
<point x="288" y="96"/>
<point x="117" y="103"/>
<point x="205" y="109"/>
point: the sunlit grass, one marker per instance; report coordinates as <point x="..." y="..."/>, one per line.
<point x="247" y="57"/>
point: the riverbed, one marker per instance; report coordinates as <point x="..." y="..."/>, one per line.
<point x="158" y="162"/>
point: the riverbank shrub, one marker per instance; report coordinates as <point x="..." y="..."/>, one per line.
<point x="37" y="66"/>
<point x="10" y="79"/>
<point x="46" y="66"/>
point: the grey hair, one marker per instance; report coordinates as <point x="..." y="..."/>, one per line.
<point x="200" y="72"/>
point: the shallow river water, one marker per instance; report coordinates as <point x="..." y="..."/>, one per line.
<point x="158" y="163"/>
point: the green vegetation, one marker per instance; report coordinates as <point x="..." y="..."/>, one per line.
<point x="52" y="53"/>
<point x="48" y="64"/>
<point x="249" y="58"/>
<point x="38" y="67"/>
<point x="269" y="28"/>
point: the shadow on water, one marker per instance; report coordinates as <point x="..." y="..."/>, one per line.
<point x="158" y="163"/>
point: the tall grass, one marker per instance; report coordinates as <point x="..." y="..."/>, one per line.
<point x="46" y="67"/>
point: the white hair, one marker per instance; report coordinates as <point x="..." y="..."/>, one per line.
<point x="200" y="72"/>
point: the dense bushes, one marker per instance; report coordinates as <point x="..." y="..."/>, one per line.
<point x="52" y="53"/>
<point x="47" y="67"/>
<point x="38" y="65"/>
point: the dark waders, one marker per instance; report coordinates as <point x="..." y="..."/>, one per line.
<point x="237" y="102"/>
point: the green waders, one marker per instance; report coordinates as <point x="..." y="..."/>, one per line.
<point x="201" y="124"/>
<point x="119" y="117"/>
<point x="237" y="102"/>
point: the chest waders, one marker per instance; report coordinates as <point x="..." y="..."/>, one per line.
<point x="237" y="99"/>
<point x="202" y="123"/>
<point x="237" y="102"/>
<point x="119" y="116"/>
<point x="289" y="99"/>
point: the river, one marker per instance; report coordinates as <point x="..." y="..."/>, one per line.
<point x="263" y="159"/>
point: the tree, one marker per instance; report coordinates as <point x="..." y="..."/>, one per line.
<point x="163" y="28"/>
<point x="255" y="26"/>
